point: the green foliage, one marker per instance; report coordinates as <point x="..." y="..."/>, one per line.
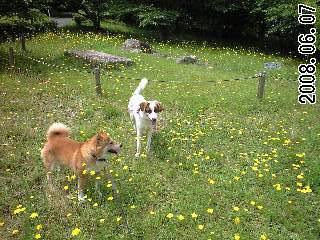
<point x="145" y="16"/>
<point x="78" y="19"/>
<point x="93" y="11"/>
<point x="156" y="17"/>
<point x="12" y="26"/>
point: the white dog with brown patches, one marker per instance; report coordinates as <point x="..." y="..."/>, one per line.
<point x="144" y="113"/>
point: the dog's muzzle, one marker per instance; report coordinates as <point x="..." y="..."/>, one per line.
<point x="113" y="151"/>
<point x="154" y="121"/>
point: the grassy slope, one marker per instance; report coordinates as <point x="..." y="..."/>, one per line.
<point x="209" y="131"/>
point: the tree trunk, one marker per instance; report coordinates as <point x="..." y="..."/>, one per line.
<point x="96" y="24"/>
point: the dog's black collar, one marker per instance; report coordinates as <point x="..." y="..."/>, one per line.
<point x="101" y="159"/>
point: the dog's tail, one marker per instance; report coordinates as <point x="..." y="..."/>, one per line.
<point x="58" y="129"/>
<point x="141" y="86"/>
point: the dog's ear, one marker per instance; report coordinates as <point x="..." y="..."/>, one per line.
<point x="159" y="107"/>
<point x="99" y="137"/>
<point x="102" y="136"/>
<point x="143" y="106"/>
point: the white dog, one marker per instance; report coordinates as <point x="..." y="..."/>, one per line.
<point x="144" y="113"/>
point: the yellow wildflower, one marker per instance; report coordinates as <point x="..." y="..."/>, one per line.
<point x="210" y="210"/>
<point x="75" y="232"/>
<point x="236" y="220"/>
<point x="169" y="215"/>
<point x="34" y="215"/>
<point x="200" y="226"/>
<point x="237" y="237"/>
<point x="37" y="236"/>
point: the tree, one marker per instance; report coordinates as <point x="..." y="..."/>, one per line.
<point x="93" y="10"/>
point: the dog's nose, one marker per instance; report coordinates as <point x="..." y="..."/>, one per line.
<point x="153" y="119"/>
<point x="121" y="145"/>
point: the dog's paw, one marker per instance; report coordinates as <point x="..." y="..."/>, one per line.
<point x="81" y="197"/>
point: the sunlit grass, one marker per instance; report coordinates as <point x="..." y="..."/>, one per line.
<point x="223" y="166"/>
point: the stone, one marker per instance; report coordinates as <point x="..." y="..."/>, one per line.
<point x="187" y="59"/>
<point x="135" y="45"/>
<point x="98" y="57"/>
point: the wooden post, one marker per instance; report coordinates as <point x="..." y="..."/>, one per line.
<point x="23" y="42"/>
<point x="262" y="83"/>
<point x="98" y="84"/>
<point x="11" y="57"/>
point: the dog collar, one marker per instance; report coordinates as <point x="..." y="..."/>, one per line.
<point x="101" y="160"/>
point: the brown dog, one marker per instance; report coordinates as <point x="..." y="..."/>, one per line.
<point x="79" y="156"/>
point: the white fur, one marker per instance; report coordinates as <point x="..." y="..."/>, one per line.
<point x="143" y="121"/>
<point x="58" y="127"/>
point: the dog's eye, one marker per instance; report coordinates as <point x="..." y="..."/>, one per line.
<point x="148" y="111"/>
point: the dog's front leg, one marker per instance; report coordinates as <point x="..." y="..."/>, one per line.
<point x="149" y="141"/>
<point x="49" y="179"/>
<point x="81" y="183"/>
<point x="138" y="141"/>
<point x="97" y="189"/>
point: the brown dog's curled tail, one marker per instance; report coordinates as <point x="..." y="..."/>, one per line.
<point x="58" y="129"/>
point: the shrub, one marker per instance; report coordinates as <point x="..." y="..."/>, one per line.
<point x="79" y="19"/>
<point x="13" y="25"/>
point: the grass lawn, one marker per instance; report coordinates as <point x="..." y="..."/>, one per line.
<point x="223" y="164"/>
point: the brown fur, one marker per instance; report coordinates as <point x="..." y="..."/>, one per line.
<point x="143" y="106"/>
<point x="60" y="149"/>
<point x="159" y="107"/>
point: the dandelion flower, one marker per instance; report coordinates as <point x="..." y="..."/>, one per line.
<point x="263" y="237"/>
<point x="19" y="210"/>
<point x="75" y="232"/>
<point x="110" y="198"/>
<point x="66" y="187"/>
<point x="200" y="226"/>
<point x="180" y="217"/>
<point x="211" y="181"/>
<point x="39" y="227"/>
<point x="169" y="215"/>
<point x="194" y="215"/>
<point x="277" y="186"/>
<point x="210" y="210"/>
<point x="37" y="236"/>
<point x="15" y="231"/>
<point x="118" y="219"/>
<point x="236" y="220"/>
<point x="236" y="209"/>
<point x="34" y="215"/>
<point x="237" y="237"/>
